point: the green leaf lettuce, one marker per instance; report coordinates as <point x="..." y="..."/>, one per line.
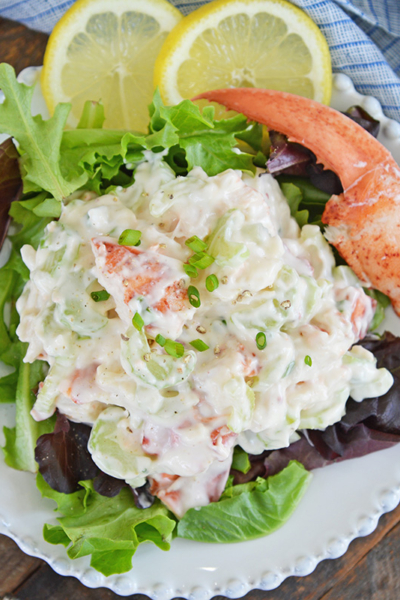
<point x="248" y="511"/>
<point x="108" y="529"/>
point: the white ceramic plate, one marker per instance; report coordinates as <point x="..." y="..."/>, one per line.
<point x="343" y="502"/>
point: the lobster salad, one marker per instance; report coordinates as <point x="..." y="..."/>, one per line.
<point x="182" y="339"/>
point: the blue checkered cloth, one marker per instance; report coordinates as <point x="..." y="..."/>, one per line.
<point x="363" y="36"/>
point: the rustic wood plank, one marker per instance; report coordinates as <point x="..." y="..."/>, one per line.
<point x="15" y="566"/>
<point x="45" y="584"/>
<point x="376" y="576"/>
<point x="19" y="46"/>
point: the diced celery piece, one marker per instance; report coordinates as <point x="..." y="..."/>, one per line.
<point x="151" y="368"/>
<point x="221" y="243"/>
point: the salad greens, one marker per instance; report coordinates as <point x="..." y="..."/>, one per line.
<point x="108" y="529"/>
<point x="248" y="511"/>
<point x="53" y="163"/>
<point x="63" y="456"/>
<point x="302" y="194"/>
<point x="39" y="141"/>
<point x="19" y="385"/>
<point x="61" y="162"/>
<point x="382" y="302"/>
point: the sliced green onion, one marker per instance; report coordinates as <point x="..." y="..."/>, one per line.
<point x="194" y="296"/>
<point x="199" y="345"/>
<point x="137" y="322"/>
<point x="308" y="360"/>
<point x="201" y="260"/>
<point x="261" y="340"/>
<point x="130" y="237"/>
<point x="212" y="283"/>
<point x="196" y="244"/>
<point x="100" y="296"/>
<point x="175" y="349"/>
<point x="160" y="340"/>
<point x="190" y="270"/>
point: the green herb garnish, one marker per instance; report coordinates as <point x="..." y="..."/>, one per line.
<point x="196" y="244"/>
<point x="190" y="270"/>
<point x="194" y="296"/>
<point x="100" y="296"/>
<point x="201" y="260"/>
<point x="160" y="340"/>
<point x="130" y="237"/>
<point x="174" y="349"/>
<point x="212" y="283"/>
<point x="261" y="340"/>
<point x="199" y="345"/>
<point x="138" y="322"/>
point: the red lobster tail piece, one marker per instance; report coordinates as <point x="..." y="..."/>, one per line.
<point x="364" y="221"/>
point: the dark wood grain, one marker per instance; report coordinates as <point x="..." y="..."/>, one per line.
<point x="370" y="570"/>
<point x="15" y="567"/>
<point x="21" y="47"/>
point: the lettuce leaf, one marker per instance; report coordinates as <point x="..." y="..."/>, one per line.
<point x="19" y="449"/>
<point x="382" y="302"/>
<point x="306" y="202"/>
<point x="60" y="162"/>
<point x="20" y="385"/>
<point x="191" y="138"/>
<point x="110" y="541"/>
<point x="290" y="158"/>
<point x="248" y="511"/>
<point x="39" y="141"/>
<point x="207" y="143"/>
<point x="63" y="456"/>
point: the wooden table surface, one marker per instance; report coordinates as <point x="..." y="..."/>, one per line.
<point x="370" y="570"/>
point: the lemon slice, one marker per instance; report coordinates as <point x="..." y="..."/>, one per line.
<point x="245" y="43"/>
<point x="106" y="50"/>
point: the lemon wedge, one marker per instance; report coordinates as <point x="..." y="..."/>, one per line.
<point x="245" y="43"/>
<point x="105" y="50"/>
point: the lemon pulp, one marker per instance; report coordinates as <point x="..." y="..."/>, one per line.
<point x="105" y="50"/>
<point x="245" y="43"/>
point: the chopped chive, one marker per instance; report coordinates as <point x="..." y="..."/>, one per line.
<point x="130" y="237"/>
<point x="175" y="349"/>
<point x="224" y="321"/>
<point x="190" y="270"/>
<point x="100" y="296"/>
<point x="160" y="340"/>
<point x="308" y="360"/>
<point x="201" y="260"/>
<point x="212" y="283"/>
<point x="137" y="322"/>
<point x="194" y="296"/>
<point x="199" y="345"/>
<point x="261" y="340"/>
<point x="196" y="244"/>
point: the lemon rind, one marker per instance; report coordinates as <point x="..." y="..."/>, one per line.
<point x="180" y="40"/>
<point x="66" y="29"/>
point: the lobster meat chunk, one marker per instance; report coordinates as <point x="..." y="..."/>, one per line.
<point x="364" y="221"/>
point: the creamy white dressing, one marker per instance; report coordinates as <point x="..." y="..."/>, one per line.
<point x="177" y="419"/>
